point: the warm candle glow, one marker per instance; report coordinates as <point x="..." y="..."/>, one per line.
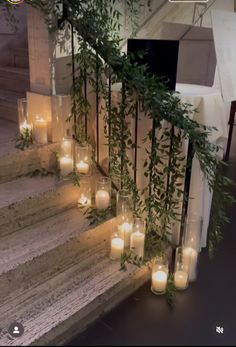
<point x="25" y="126"/>
<point x="84" y="200"/>
<point x="82" y="167"/>
<point x="117" y="248"/>
<point x="102" y="199"/>
<point x="159" y="281"/>
<point x="66" y="147"/>
<point x="181" y="279"/>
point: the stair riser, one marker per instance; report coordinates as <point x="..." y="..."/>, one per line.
<point x="30" y="211"/>
<point x="9" y="113"/>
<point x="21" y="61"/>
<point x="21" y="163"/>
<point x="40" y="269"/>
<point x="15" y="84"/>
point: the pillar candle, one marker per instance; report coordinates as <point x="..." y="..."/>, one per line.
<point x="82" y="167"/>
<point x="137" y="243"/>
<point x="159" y="281"/>
<point x="181" y="279"/>
<point x="66" y="166"/>
<point x="117" y="248"/>
<point x="190" y="258"/>
<point x="102" y="199"/>
<point x="40" y="131"/>
<point x="125" y="231"/>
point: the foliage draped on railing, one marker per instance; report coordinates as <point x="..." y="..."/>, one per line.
<point x="96" y="24"/>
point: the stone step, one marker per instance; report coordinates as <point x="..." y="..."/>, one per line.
<point x="63" y="295"/>
<point x="14" y="79"/>
<point x="27" y="200"/>
<point x="15" y="163"/>
<point x="21" y="57"/>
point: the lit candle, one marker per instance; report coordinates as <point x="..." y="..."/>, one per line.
<point x="190" y="258"/>
<point x="159" y="281"/>
<point x="125" y="231"/>
<point x="102" y="199"/>
<point x="117" y="248"/>
<point x="181" y="279"/>
<point x="24" y="127"/>
<point x="137" y="243"/>
<point x="84" y="200"/>
<point x="66" y="165"/>
<point x="40" y="130"/>
<point x="82" y="167"/>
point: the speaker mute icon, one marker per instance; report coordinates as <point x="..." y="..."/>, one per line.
<point x="220" y="330"/>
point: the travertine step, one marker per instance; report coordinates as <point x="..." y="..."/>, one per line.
<point x="71" y="292"/>
<point x="15" y="163"/>
<point x="27" y="200"/>
<point x="14" y="79"/>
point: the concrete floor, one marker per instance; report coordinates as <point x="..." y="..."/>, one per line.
<point x="144" y="319"/>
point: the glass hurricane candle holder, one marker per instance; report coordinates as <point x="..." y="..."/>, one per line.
<point x="83" y="158"/>
<point x="23" y="117"/>
<point x="117" y="246"/>
<point x="137" y="240"/>
<point x="124" y="204"/>
<point x="159" y="276"/>
<point x="181" y="276"/>
<point x="190" y="261"/>
<point x="85" y="193"/>
<point x="40" y="130"/>
<point x="66" y="166"/>
<point x="103" y="193"/>
<point x="67" y="147"/>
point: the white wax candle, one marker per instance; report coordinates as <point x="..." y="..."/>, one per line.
<point x="102" y="199"/>
<point x="117" y="248"/>
<point x="190" y="258"/>
<point x="84" y="200"/>
<point x="40" y="131"/>
<point x="181" y="279"/>
<point x="66" y="165"/>
<point x="137" y="243"/>
<point x="66" y="147"/>
<point x="82" y="167"/>
<point x="159" y="281"/>
<point x="25" y="126"/>
<point x="125" y="231"/>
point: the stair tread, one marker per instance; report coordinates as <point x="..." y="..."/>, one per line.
<point x="25" y="188"/>
<point x="33" y="241"/>
<point x="48" y="305"/>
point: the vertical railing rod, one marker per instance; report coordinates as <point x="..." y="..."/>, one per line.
<point x="97" y="106"/>
<point x="136" y="142"/>
<point x="109" y="122"/>
<point x="122" y="135"/>
<point x="86" y="111"/>
<point x="73" y="80"/>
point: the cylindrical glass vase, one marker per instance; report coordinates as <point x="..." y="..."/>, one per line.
<point x="103" y="193"/>
<point x="181" y="275"/>
<point x="67" y="147"/>
<point x="40" y="130"/>
<point x="83" y="158"/>
<point x="137" y="240"/>
<point x="85" y="193"/>
<point x="160" y="272"/>
<point x="25" y="125"/>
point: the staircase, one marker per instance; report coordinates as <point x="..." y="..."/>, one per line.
<point x="55" y="273"/>
<point x="14" y="82"/>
